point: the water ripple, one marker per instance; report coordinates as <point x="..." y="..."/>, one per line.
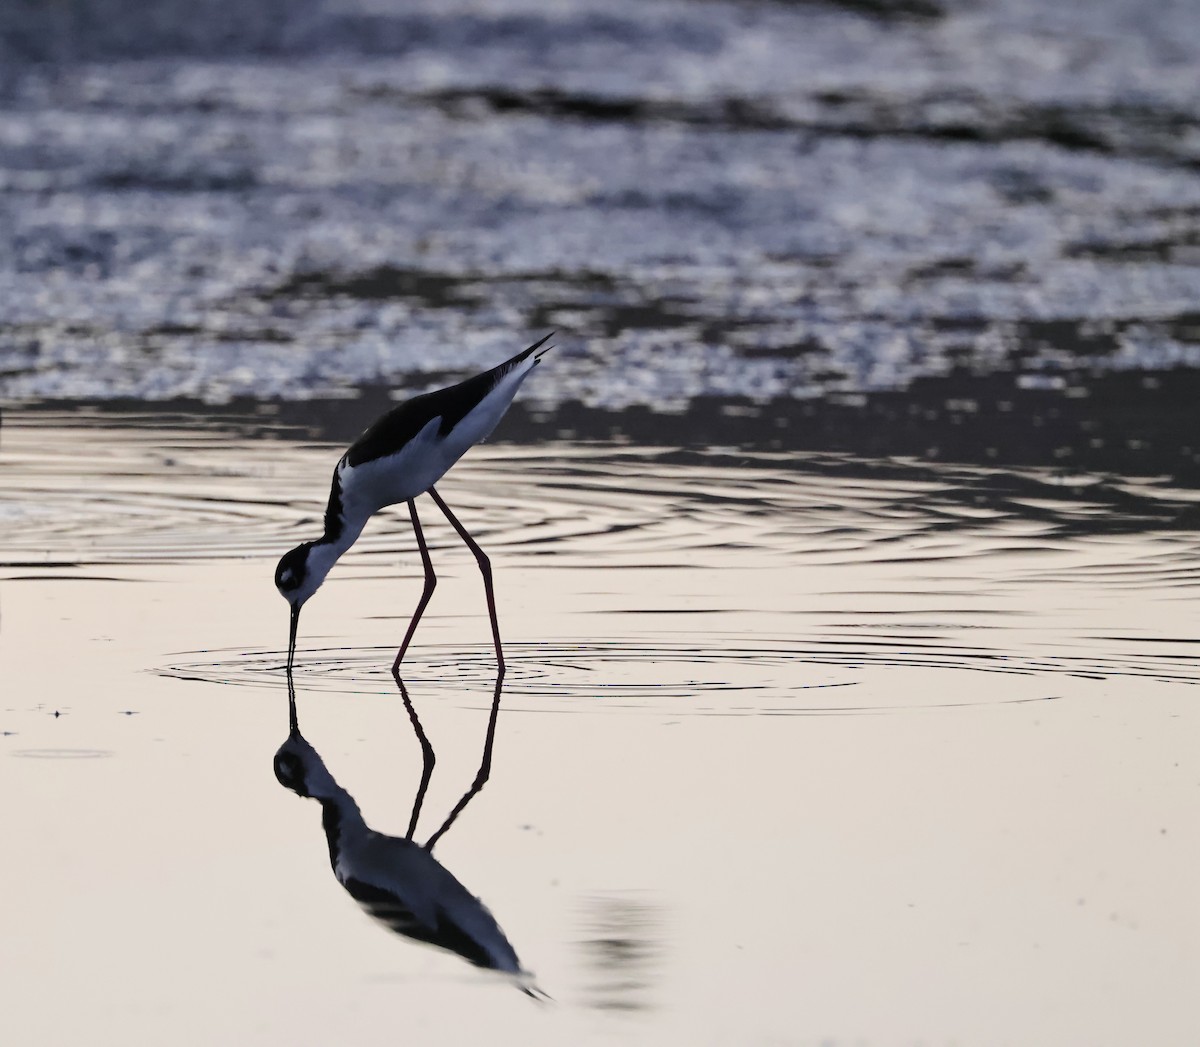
<point x="172" y="494"/>
<point x="726" y="675"/>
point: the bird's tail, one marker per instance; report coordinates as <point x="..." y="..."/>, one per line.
<point x="524" y="353"/>
<point x="498" y="373"/>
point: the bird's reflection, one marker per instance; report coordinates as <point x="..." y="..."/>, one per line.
<point x="396" y="880"/>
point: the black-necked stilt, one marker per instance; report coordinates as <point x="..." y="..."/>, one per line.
<point x="399" y="457"/>
<point x="396" y="880"/>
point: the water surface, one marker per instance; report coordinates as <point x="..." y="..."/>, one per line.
<point x="791" y="749"/>
<point x="846" y="545"/>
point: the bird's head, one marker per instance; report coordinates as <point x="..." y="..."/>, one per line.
<point x="294" y="577"/>
<point x="301" y="571"/>
<point x="298" y="575"/>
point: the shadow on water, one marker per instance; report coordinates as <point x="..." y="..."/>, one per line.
<point x="396" y="880"/>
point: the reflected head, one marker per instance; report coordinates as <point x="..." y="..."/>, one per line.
<point x="289" y="769"/>
<point x="299" y="768"/>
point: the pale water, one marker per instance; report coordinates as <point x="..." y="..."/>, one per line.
<point x="791" y="749"/>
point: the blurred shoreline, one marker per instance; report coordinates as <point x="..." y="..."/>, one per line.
<point x="959" y="231"/>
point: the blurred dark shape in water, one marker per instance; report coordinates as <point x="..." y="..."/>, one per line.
<point x="622" y="947"/>
<point x="89" y="30"/>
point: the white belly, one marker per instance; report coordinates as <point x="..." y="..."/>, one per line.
<point x="369" y="486"/>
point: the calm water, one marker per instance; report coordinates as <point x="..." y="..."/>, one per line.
<point x="856" y="751"/>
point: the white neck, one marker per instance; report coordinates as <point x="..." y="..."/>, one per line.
<point x="324" y="554"/>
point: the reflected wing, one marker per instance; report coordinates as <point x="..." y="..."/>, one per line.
<point x="434" y="926"/>
<point x="404" y="887"/>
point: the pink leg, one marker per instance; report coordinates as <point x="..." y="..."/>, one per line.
<point x="485" y="568"/>
<point x="430" y="585"/>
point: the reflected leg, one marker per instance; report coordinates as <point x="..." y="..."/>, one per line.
<point x="427" y="592"/>
<point x="428" y="759"/>
<point x="485" y="767"/>
<point x="485" y="568"/>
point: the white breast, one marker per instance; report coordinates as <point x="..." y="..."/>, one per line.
<point x="417" y="466"/>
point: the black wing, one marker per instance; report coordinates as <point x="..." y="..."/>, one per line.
<point x="452" y="404"/>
